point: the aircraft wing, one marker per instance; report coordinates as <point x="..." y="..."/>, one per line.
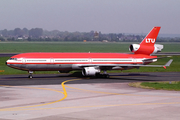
<point x="124" y="65"/>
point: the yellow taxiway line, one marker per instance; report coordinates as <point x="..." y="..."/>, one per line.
<point x="19" y="108"/>
<point x="65" y="96"/>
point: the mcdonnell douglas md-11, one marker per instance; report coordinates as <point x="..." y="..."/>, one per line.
<point x="91" y="64"/>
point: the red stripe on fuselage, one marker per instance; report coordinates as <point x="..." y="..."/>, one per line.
<point x="80" y="55"/>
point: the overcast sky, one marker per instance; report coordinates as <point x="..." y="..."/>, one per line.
<point x="107" y="16"/>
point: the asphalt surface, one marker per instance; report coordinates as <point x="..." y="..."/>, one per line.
<point x="19" y="80"/>
<point x="7" y="54"/>
<point x="73" y="97"/>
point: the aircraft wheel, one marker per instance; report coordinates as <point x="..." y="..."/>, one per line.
<point x="105" y="75"/>
<point x="102" y="75"/>
<point x="98" y="75"/>
<point x="30" y="76"/>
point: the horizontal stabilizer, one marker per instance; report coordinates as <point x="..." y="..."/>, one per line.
<point x="146" y="60"/>
<point x="169" y="62"/>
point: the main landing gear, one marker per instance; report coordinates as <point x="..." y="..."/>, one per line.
<point x="30" y="74"/>
<point x="104" y="75"/>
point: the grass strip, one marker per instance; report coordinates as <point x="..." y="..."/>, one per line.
<point x="168" y="85"/>
<point x="119" y="47"/>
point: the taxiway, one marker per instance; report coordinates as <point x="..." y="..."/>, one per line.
<point x="69" y="97"/>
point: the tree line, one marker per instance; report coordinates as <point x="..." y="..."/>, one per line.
<point x="38" y="34"/>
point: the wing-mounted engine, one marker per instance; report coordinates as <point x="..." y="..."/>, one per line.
<point x="90" y="71"/>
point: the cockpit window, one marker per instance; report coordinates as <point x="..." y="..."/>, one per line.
<point x="12" y="58"/>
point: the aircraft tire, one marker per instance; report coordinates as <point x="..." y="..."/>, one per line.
<point x="105" y="75"/>
<point x="30" y="76"/>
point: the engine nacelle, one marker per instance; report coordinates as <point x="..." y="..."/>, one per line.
<point x="90" y="71"/>
<point x="134" y="47"/>
<point x="145" y="49"/>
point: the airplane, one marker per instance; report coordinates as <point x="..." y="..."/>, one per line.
<point x="91" y="64"/>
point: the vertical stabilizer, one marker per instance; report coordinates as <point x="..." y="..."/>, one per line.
<point x="150" y="39"/>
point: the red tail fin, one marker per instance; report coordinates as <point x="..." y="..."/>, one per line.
<point x="147" y="45"/>
<point x="150" y="39"/>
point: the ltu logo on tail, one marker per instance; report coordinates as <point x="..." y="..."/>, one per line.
<point x="150" y="40"/>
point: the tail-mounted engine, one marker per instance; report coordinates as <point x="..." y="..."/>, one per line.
<point x="134" y="47"/>
<point x="143" y="49"/>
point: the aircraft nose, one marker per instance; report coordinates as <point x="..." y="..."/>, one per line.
<point x="7" y="63"/>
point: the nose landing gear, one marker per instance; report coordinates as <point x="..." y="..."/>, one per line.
<point x="30" y="74"/>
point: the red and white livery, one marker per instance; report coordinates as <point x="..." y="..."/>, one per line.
<point x="91" y="64"/>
